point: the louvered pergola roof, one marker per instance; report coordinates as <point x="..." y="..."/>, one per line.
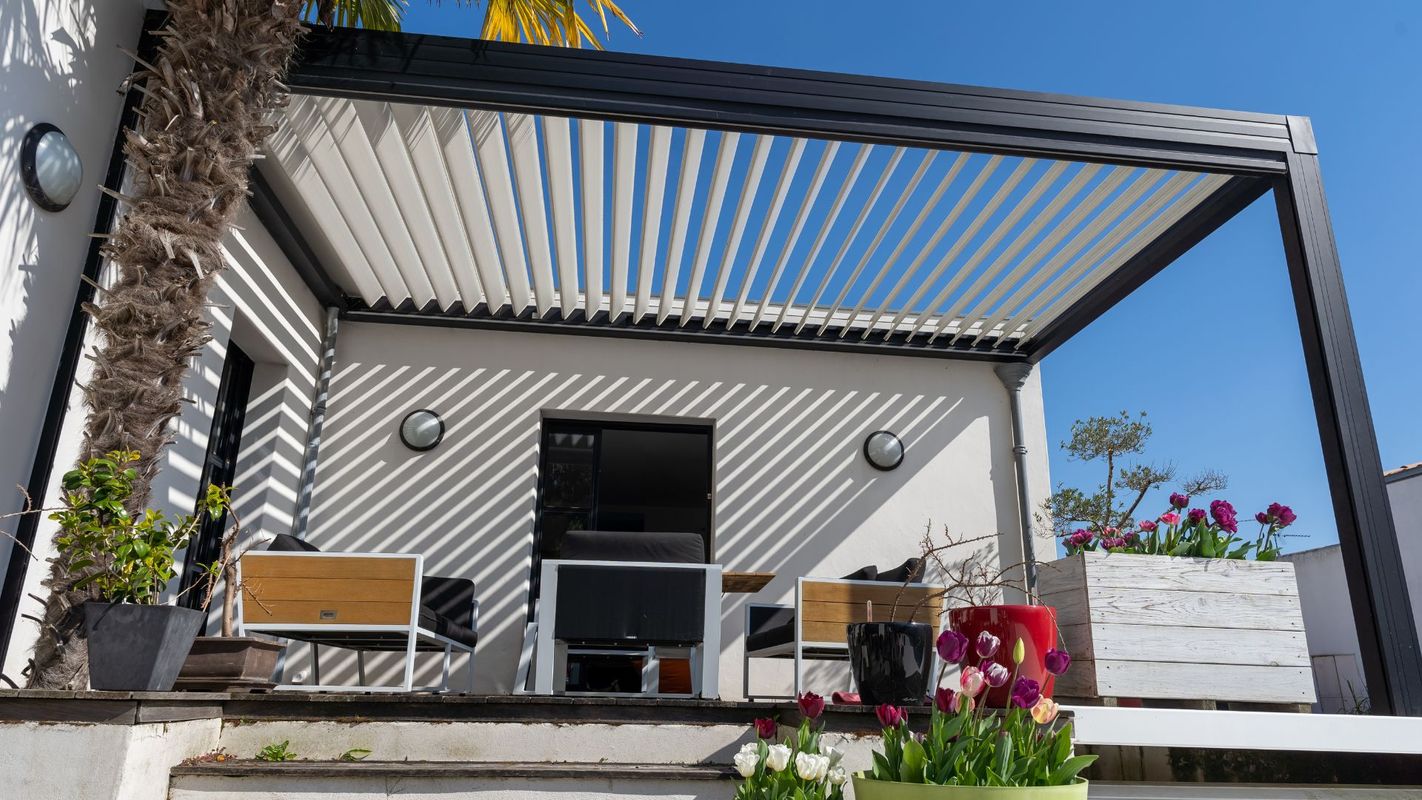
<point x="524" y="188"/>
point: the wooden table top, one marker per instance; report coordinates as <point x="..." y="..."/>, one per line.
<point x="744" y="582"/>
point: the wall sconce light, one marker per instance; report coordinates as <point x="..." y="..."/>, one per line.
<point x="50" y="167"/>
<point x="883" y="450"/>
<point x="421" y="430"/>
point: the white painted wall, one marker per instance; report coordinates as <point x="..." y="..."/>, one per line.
<point x="59" y="63"/>
<point x="115" y="762"/>
<point x="793" y="493"/>
<point x="261" y="304"/>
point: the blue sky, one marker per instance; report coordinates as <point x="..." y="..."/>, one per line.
<point x="1210" y="347"/>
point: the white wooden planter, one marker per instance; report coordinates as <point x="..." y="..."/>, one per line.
<point x="1154" y="627"/>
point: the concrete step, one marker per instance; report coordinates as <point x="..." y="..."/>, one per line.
<point x="416" y="780"/>
<point x="647" y="742"/>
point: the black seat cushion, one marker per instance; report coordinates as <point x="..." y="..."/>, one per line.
<point x="286" y="543"/>
<point x="446" y="607"/>
<point x="664" y="547"/>
<point x="770" y="626"/>
<point x="867" y="573"/>
<point x="907" y="572"/>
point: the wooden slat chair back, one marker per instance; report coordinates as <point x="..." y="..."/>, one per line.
<point x="828" y="606"/>
<point x="329" y="589"/>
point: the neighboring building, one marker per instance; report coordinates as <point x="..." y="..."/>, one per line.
<point x="1323" y="593"/>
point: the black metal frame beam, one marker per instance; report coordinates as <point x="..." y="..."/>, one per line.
<point x="441" y="70"/>
<point x="1377" y="586"/>
<point x="482" y="318"/>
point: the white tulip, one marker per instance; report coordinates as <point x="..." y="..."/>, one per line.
<point x="777" y="757"/>
<point x="805" y="765"/>
<point x="747" y="760"/>
<point x="834" y="754"/>
<point x="838" y="776"/>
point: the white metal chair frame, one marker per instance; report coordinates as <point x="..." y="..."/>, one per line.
<point x="820" y="651"/>
<point x="546" y="652"/>
<point x="413" y="632"/>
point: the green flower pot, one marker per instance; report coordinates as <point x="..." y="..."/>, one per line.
<point x="866" y="788"/>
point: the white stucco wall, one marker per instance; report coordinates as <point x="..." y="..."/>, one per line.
<point x="59" y="63"/>
<point x="261" y="304"/>
<point x="793" y="493"/>
<point x="1404" y="494"/>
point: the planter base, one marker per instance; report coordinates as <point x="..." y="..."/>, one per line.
<point x="229" y="664"/>
<point x="867" y="789"/>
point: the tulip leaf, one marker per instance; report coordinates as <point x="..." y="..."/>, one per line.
<point x="1067" y="772"/>
<point x="911" y="767"/>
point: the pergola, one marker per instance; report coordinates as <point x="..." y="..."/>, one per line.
<point x="438" y="181"/>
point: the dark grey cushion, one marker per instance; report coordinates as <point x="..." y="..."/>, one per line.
<point x="869" y="573"/>
<point x="286" y="543"/>
<point x="907" y="572"/>
<point x="663" y="547"/>
<point x="770" y="627"/>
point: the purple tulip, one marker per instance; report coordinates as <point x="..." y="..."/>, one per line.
<point x="1262" y="518"/>
<point x="811" y="704"/>
<point x="996" y="674"/>
<point x="1057" y="661"/>
<point x="952" y="646"/>
<point x="1282" y="514"/>
<point x="1178" y="500"/>
<point x="1026" y="692"/>
<point x="987" y="644"/>
<point x="766" y="728"/>
<point x="1196" y="515"/>
<point x="1080" y="538"/>
<point x="1224" y="515"/>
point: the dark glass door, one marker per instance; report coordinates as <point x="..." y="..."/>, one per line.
<point x="603" y="476"/>
<point x="219" y="466"/>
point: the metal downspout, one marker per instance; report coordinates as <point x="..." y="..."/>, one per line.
<point x="1013" y="376"/>
<point x="313" y="428"/>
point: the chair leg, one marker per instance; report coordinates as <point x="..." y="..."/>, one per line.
<point x="409" y="683"/>
<point x="471" y="670"/>
<point x="444" y="673"/>
<point x="651" y="672"/>
<point x="360" y="667"/>
<point x="745" y="675"/>
<point x="315" y="664"/>
<point x="799" y="669"/>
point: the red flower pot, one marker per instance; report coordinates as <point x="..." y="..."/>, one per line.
<point x="1036" y="626"/>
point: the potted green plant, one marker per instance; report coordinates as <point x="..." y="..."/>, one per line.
<point x="972" y="753"/>
<point x="227" y="662"/>
<point x="797" y="767"/>
<point x="135" y="643"/>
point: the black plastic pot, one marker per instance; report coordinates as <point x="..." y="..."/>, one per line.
<point x="890" y="661"/>
<point x="135" y="648"/>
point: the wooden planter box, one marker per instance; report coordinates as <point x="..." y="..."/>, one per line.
<point x="1203" y="629"/>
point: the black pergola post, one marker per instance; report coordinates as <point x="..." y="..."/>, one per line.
<point x="1387" y="634"/>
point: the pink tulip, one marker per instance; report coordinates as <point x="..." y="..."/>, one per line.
<point x="1170" y="518"/>
<point x="1045" y="710"/>
<point x="972" y="680"/>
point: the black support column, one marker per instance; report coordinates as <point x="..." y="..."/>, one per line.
<point x="1387" y="634"/>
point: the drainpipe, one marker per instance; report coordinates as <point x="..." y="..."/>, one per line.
<point x="1013" y="375"/>
<point x="313" y="428"/>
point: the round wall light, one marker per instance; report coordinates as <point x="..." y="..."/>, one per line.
<point x="883" y="450"/>
<point x="50" y="167"/>
<point x="421" y="429"/>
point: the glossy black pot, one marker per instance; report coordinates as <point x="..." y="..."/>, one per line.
<point x="890" y="661"/>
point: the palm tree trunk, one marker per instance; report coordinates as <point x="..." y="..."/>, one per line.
<point x="209" y="94"/>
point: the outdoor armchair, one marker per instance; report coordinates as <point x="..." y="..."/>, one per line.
<point x="815" y="626"/>
<point x="365" y="602"/>
<point x="641" y="592"/>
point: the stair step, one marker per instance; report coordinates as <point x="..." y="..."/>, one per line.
<point x="427" y="780"/>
